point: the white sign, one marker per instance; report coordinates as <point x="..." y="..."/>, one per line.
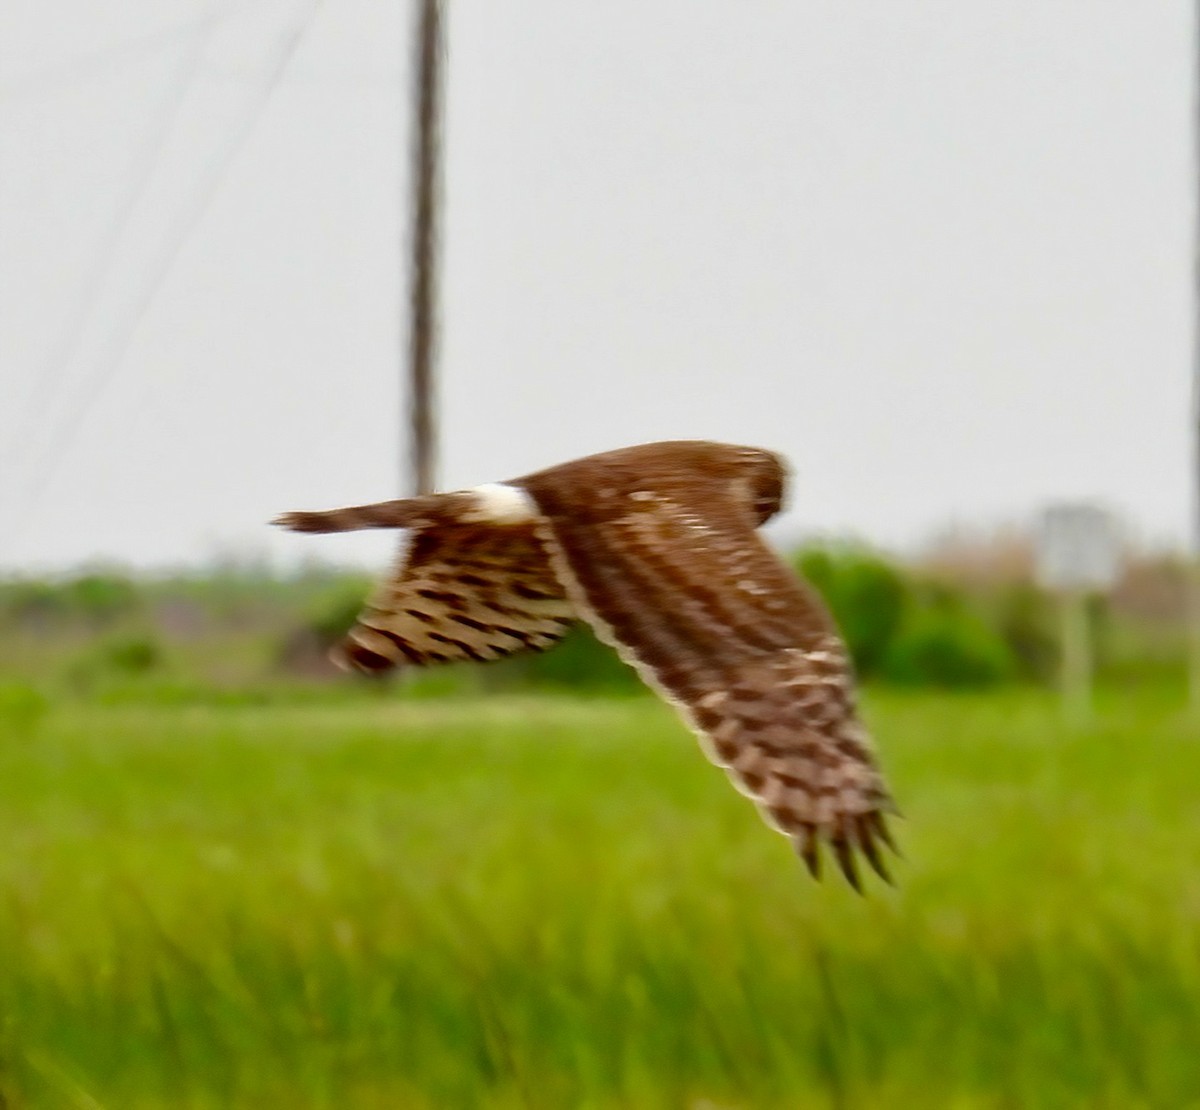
<point x="1077" y="548"/>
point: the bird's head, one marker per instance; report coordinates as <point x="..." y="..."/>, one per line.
<point x="763" y="476"/>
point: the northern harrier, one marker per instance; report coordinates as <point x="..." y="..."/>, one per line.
<point x="655" y="547"/>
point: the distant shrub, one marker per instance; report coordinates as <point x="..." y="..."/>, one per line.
<point x="31" y="602"/>
<point x="21" y="709"/>
<point x="125" y="657"/>
<point x="1025" y="621"/>
<point x="944" y="643"/>
<point x="334" y="615"/>
<point x="305" y="648"/>
<point x="101" y="598"/>
<point x="96" y="599"/>
<point x="132" y="655"/>
<point x="867" y="596"/>
<point x="579" y="662"/>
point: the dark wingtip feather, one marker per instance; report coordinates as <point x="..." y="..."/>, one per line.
<point x="866" y="843"/>
<point x="809" y="849"/>
<point x="354" y="658"/>
<point x="863" y="834"/>
<point x="879" y="828"/>
<point x="845" y="857"/>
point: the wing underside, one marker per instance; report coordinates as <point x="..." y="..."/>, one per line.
<point x="460" y="592"/>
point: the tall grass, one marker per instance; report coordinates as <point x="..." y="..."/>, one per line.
<point x="559" y="903"/>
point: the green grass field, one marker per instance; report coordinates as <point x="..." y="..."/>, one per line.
<point x="550" y="903"/>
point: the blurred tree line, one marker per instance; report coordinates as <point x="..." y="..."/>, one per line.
<point x="932" y="623"/>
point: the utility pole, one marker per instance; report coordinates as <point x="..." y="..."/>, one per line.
<point x="1194" y="562"/>
<point x="423" y="262"/>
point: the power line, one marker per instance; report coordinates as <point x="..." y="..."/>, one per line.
<point x="82" y="67"/>
<point x="69" y="333"/>
<point x="48" y="461"/>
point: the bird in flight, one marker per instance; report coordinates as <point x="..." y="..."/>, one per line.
<point x="656" y="548"/>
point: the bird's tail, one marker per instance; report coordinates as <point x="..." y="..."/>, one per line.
<point x="413" y="512"/>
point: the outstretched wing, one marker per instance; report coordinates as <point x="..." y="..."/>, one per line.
<point x="682" y="586"/>
<point x="464" y="588"/>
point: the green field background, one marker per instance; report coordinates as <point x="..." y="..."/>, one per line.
<point x="553" y="902"/>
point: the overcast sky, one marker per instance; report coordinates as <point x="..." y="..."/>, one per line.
<point x="936" y="252"/>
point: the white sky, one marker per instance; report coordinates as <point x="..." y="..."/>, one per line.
<point x="936" y="252"/>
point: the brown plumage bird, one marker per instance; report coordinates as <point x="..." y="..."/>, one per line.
<point x="656" y="548"/>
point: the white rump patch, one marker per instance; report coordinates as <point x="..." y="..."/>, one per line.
<point x="498" y="503"/>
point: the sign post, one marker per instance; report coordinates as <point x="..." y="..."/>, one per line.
<point x="1078" y="554"/>
<point x="1077" y="664"/>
